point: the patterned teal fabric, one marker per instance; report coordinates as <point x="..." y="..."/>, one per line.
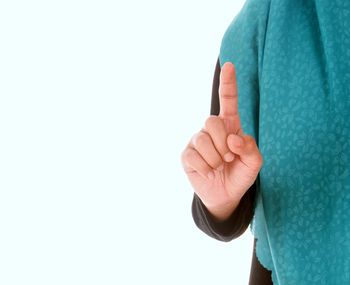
<point x="292" y="60"/>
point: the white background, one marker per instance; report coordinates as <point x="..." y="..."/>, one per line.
<point x="97" y="101"/>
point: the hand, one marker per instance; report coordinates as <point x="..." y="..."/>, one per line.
<point x="220" y="161"/>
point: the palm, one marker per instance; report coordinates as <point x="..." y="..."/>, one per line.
<point x="233" y="180"/>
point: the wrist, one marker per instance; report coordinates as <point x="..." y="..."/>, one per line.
<point x="223" y="212"/>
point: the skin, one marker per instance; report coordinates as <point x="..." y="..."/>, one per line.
<point x="220" y="161"/>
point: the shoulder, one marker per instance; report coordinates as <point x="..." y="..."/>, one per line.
<point x="246" y="30"/>
<point x="251" y="13"/>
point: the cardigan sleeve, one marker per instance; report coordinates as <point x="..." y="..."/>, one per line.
<point x="240" y="219"/>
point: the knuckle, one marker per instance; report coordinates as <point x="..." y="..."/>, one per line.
<point x="258" y="162"/>
<point x="226" y="89"/>
<point x="187" y="155"/>
<point x="211" y="121"/>
<point x="183" y="155"/>
<point x="201" y="139"/>
<point x="260" y="159"/>
<point x="250" y="141"/>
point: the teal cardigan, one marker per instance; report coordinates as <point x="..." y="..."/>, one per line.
<point x="292" y="60"/>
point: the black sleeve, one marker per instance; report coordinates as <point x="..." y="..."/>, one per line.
<point x="240" y="219"/>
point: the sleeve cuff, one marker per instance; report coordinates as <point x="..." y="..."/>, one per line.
<point x="232" y="227"/>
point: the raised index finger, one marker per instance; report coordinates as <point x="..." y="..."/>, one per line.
<point x="228" y="91"/>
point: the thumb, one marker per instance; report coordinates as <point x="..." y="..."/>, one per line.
<point x="245" y="146"/>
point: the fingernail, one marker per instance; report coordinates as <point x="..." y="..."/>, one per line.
<point x="211" y="175"/>
<point x="229" y="156"/>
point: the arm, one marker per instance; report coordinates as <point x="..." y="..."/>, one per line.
<point x="241" y="217"/>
